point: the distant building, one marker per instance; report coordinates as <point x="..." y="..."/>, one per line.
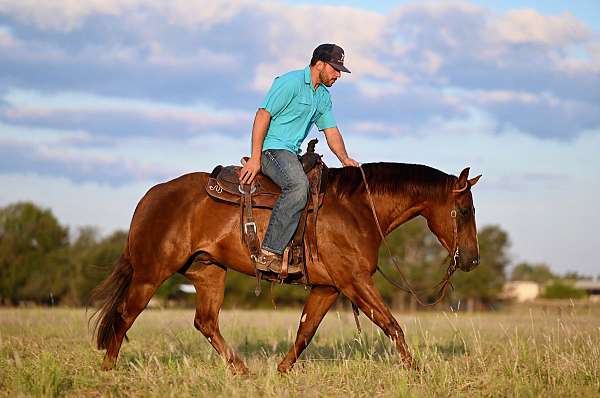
<point x="521" y="291"/>
<point x="592" y="288"/>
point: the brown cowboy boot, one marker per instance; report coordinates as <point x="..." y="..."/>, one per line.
<point x="273" y="262"/>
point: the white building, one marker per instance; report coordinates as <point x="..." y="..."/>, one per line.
<point x="521" y="291"/>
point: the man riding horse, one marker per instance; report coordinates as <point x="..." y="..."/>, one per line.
<point x="180" y="227"/>
<point x="296" y="101"/>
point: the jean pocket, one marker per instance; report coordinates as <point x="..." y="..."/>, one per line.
<point x="279" y="163"/>
<point x="266" y="160"/>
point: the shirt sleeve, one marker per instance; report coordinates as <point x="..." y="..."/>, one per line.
<point x="326" y="120"/>
<point x="279" y="96"/>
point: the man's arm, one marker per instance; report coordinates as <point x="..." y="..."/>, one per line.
<point x="336" y="144"/>
<point x="259" y="131"/>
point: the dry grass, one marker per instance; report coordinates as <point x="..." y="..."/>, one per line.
<point x="48" y="352"/>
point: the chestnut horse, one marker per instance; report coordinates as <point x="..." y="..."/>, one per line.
<point x="178" y="227"/>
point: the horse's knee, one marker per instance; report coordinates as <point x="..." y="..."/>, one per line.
<point x="207" y="327"/>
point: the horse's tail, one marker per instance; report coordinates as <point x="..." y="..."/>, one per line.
<point x="111" y="295"/>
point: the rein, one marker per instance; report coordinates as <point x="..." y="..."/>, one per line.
<point x="407" y="288"/>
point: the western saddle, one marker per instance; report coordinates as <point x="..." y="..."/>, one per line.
<point x="223" y="186"/>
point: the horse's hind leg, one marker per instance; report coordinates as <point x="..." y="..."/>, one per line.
<point x="139" y="294"/>
<point x="209" y="281"/>
<point x="319" y="301"/>
<point x="364" y="294"/>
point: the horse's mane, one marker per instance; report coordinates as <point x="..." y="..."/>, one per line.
<point x="392" y="178"/>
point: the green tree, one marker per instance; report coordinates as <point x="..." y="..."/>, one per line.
<point x="484" y="283"/>
<point x="419" y="256"/>
<point x="92" y="259"/>
<point x="576" y="276"/>
<point x="539" y="273"/>
<point x="239" y="293"/>
<point x="33" y="254"/>
<point x="562" y="290"/>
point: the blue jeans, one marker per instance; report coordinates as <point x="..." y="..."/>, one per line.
<point x="285" y="169"/>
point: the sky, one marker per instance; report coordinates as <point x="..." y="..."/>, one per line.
<point x="102" y="99"/>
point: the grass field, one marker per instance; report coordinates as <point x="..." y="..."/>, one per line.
<point x="48" y="352"/>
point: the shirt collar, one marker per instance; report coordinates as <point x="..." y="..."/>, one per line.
<point x="308" y="79"/>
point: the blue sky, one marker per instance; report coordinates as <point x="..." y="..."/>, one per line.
<point x="100" y="100"/>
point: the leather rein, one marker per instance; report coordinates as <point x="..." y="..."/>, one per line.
<point x="405" y="286"/>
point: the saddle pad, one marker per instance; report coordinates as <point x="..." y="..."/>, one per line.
<point x="223" y="185"/>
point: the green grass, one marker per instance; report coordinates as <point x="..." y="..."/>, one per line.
<point x="48" y="352"/>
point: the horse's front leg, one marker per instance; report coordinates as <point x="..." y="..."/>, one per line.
<point x="209" y="281"/>
<point x="363" y="293"/>
<point x="319" y="301"/>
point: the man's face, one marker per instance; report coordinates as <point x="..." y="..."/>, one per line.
<point x="328" y="74"/>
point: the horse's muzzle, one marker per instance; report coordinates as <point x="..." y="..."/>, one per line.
<point x="468" y="263"/>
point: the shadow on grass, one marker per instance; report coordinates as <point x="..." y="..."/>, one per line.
<point x="361" y="347"/>
<point x="444" y="351"/>
<point x="450" y="349"/>
<point x="355" y="348"/>
<point x="375" y="348"/>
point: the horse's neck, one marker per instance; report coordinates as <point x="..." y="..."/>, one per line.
<point x="394" y="210"/>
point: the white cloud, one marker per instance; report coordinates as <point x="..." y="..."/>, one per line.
<point x="294" y="31"/>
<point x="528" y="26"/>
<point x="67" y="15"/>
<point x="162" y="56"/>
<point x="61" y="15"/>
<point x="201" y="14"/>
<point x="221" y="52"/>
<point x="437" y="10"/>
<point x="19" y="155"/>
<point x="7" y="40"/>
<point x="584" y="61"/>
<point x="72" y="111"/>
<point x="76" y="204"/>
<point x="375" y="128"/>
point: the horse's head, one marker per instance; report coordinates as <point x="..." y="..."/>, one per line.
<point x="453" y="222"/>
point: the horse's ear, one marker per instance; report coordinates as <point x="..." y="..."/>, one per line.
<point x="473" y="181"/>
<point x="462" y="178"/>
<point x="461" y="183"/>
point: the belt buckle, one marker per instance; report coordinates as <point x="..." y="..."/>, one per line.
<point x="249" y="224"/>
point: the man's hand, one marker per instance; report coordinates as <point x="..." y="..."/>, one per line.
<point x="249" y="171"/>
<point x="336" y="143"/>
<point x="350" y="162"/>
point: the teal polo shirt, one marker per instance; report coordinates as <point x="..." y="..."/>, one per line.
<point x="295" y="106"/>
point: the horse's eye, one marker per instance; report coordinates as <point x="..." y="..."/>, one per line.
<point x="464" y="212"/>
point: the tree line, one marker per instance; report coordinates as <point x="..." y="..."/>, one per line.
<point x="42" y="262"/>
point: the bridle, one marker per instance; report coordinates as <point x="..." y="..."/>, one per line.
<point x="444" y="283"/>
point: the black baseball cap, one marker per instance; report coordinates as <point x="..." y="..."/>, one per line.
<point x="332" y="54"/>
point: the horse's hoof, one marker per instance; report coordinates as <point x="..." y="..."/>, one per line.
<point x="411" y="364"/>
<point x="239" y="369"/>
<point x="107" y="364"/>
<point x="284" y="368"/>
